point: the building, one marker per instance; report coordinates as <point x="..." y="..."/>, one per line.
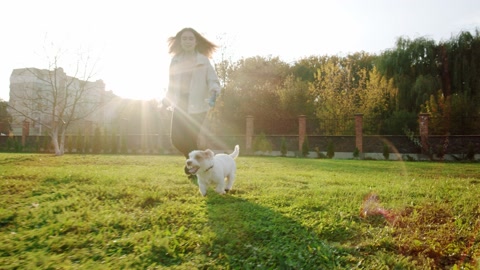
<point x="36" y="95"/>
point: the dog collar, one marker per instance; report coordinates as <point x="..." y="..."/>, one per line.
<point x="209" y="168"/>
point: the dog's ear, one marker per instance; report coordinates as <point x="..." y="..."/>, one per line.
<point x="209" y="153"/>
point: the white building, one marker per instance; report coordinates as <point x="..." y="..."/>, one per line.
<point x="34" y="93"/>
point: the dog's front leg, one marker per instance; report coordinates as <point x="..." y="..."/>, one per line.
<point x="202" y="187"/>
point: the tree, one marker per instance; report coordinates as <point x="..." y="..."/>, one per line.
<point x="55" y="101"/>
<point x="251" y="89"/>
<point x="405" y="64"/>
<point x="295" y="97"/>
<point x="377" y="102"/>
<point x="5" y="118"/>
<point x="335" y="93"/>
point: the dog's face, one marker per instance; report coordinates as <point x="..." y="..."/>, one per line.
<point x="199" y="160"/>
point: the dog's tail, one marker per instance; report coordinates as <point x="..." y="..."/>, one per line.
<point x="235" y="153"/>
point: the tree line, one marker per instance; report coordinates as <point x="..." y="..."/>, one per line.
<point x="390" y="89"/>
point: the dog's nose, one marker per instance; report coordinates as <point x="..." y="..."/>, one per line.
<point x="189" y="162"/>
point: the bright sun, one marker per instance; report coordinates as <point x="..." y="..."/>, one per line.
<point x="146" y="83"/>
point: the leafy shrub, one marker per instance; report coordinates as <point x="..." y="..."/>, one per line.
<point x="319" y="153"/>
<point x="330" y="150"/>
<point x="400" y="120"/>
<point x="470" y="151"/>
<point x="10" y="143"/>
<point x="261" y="143"/>
<point x="305" y="148"/>
<point x="440" y="151"/>
<point x="386" y="151"/>
<point x="283" y="147"/>
<point x="356" y="153"/>
<point x="37" y="144"/>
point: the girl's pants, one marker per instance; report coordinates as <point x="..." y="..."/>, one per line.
<point x="185" y="130"/>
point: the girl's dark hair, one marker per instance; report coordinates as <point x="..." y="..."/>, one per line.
<point x="204" y="46"/>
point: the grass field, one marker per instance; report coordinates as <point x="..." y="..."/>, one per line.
<point x="141" y="212"/>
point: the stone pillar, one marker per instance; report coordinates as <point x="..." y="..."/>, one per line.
<point x="302" y="130"/>
<point x="359" y="132"/>
<point x="249" y="133"/>
<point x="423" y="128"/>
<point x="25" y="131"/>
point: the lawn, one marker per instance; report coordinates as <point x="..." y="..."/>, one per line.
<point x="141" y="212"/>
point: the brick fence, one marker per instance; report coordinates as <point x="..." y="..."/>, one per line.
<point x="160" y="143"/>
<point x="402" y="144"/>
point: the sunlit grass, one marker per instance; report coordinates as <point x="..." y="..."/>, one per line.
<point x="120" y="212"/>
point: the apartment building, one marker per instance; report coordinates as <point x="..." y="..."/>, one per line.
<point x="34" y="93"/>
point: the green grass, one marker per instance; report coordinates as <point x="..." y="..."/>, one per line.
<point x="141" y="212"/>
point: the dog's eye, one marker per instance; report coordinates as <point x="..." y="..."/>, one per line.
<point x="198" y="158"/>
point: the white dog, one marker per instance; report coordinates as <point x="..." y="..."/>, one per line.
<point x="212" y="169"/>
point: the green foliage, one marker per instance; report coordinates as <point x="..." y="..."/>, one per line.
<point x="388" y="88"/>
<point x="356" y="153"/>
<point x="330" y="149"/>
<point x="5" y="118"/>
<point x="305" y="147"/>
<point x="398" y="121"/>
<point x="126" y="212"/>
<point x="37" y="144"/>
<point x="470" y="151"/>
<point x="283" y="147"/>
<point x="261" y="143"/>
<point x="319" y="152"/>
<point x="386" y="151"/>
<point x="294" y="98"/>
<point x="10" y="143"/>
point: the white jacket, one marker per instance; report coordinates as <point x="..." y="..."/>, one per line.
<point x="203" y="85"/>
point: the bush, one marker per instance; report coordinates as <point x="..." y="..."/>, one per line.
<point x="356" y="153"/>
<point x="330" y="150"/>
<point x="283" y="147"/>
<point x="386" y="151"/>
<point x="319" y="153"/>
<point x="261" y="143"/>
<point x="305" y="148"/>
<point x="399" y="120"/>
<point x="470" y="151"/>
<point x="10" y="143"/>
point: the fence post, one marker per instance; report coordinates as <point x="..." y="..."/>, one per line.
<point x="423" y="128"/>
<point x="249" y="133"/>
<point x="359" y="132"/>
<point x="302" y="130"/>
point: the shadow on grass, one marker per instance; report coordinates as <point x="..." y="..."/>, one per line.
<point x="249" y="236"/>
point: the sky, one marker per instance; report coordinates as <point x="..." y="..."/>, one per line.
<point x="126" y="41"/>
